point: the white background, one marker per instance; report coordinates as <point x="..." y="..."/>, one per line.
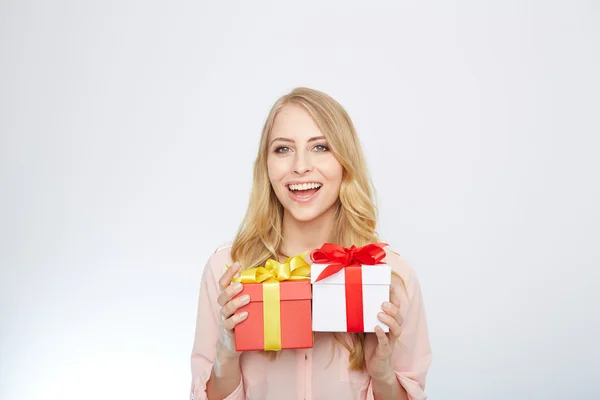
<point x="128" y="131"/>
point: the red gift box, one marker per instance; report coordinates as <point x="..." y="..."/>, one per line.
<point x="279" y="312"/>
<point x="349" y="286"/>
<point x="295" y="317"/>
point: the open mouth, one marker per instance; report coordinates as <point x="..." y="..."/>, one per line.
<point x="304" y="191"/>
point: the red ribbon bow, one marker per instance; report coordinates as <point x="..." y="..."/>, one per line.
<point x="350" y="260"/>
<point x="341" y="257"/>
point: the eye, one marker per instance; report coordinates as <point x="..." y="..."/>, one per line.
<point x="282" y="149"/>
<point x="321" y="148"/>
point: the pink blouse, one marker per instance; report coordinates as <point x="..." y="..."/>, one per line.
<point x="320" y="373"/>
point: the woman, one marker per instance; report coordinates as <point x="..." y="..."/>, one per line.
<point x="310" y="187"/>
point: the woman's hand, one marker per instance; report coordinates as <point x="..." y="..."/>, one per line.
<point x="226" y="374"/>
<point x="226" y="345"/>
<point x="379" y="346"/>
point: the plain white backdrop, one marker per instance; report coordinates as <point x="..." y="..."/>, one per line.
<point x="128" y="132"/>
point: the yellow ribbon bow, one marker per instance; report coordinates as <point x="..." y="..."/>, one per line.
<point x="292" y="269"/>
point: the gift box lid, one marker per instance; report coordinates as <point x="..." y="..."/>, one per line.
<point x="288" y="290"/>
<point x="379" y="274"/>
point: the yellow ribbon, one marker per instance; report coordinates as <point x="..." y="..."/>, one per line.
<point x="292" y="269"/>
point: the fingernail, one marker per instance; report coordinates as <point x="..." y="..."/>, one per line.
<point x="237" y="286"/>
<point x="245" y="299"/>
<point x="243" y="314"/>
<point x="381" y="315"/>
<point x="387" y="305"/>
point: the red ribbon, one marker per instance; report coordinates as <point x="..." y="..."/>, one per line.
<point x="350" y="260"/>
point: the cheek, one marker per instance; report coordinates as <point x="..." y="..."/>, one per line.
<point x="332" y="170"/>
<point x="275" y="171"/>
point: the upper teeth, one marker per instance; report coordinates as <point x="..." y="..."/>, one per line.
<point x="305" y="186"/>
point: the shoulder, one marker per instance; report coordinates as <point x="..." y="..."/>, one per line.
<point x="219" y="259"/>
<point x="223" y="248"/>
<point x="402" y="269"/>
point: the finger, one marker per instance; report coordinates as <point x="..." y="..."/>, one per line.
<point x="232" y="306"/>
<point x="390" y="309"/>
<point x="394" y="298"/>
<point x="383" y="343"/>
<point x="235" y="319"/>
<point x="231" y="322"/>
<point x="229" y="293"/>
<point x="228" y="275"/>
<point x="391" y="322"/>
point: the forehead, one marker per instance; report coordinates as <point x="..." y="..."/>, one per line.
<point x="294" y="122"/>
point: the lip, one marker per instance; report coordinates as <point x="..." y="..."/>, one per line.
<point x="302" y="200"/>
<point x="301" y="182"/>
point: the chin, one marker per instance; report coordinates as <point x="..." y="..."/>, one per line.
<point x="305" y="216"/>
<point x="308" y="215"/>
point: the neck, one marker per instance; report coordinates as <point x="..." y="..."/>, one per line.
<point x="301" y="236"/>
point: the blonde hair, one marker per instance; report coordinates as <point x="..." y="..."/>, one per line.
<point x="260" y="234"/>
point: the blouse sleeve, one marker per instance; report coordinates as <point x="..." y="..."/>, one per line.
<point x="412" y="353"/>
<point x="207" y="334"/>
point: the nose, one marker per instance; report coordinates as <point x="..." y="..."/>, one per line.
<point x="302" y="163"/>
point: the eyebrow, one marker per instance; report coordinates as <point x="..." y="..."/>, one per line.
<point x="312" y="139"/>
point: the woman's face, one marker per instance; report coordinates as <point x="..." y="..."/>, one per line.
<point x="305" y="175"/>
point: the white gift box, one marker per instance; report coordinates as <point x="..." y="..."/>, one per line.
<point x="329" y="297"/>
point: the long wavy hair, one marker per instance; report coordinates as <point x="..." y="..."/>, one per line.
<point x="259" y="236"/>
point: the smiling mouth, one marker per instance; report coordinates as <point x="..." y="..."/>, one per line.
<point x="303" y="191"/>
